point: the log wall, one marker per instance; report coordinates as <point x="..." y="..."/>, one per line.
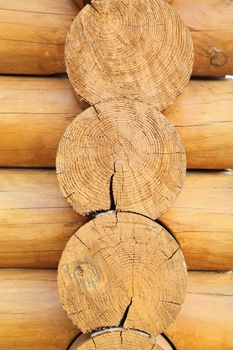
<point x="36" y="220"/>
<point x="33" y="35"/>
<point x="34" y="112"/>
<point x="31" y="316"/>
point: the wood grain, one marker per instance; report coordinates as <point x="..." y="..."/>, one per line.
<point x="36" y="221"/>
<point x="119" y="338"/>
<point x="122" y="270"/>
<point x="31" y="317"/>
<point x="33" y="35"/>
<point x="211" y="25"/>
<point x="129" y="152"/>
<point x="111" y="52"/>
<point x="32" y="107"/>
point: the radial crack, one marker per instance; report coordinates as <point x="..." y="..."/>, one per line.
<point x="111" y="192"/>
<point x="124" y="317"/>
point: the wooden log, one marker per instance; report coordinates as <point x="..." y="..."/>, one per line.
<point x="128" y="268"/>
<point x="31" y="317"/>
<point x="33" y="35"/>
<point x="201" y="219"/>
<point x="211" y="26"/>
<point x="37" y="218"/>
<point x="108" y="55"/>
<point x="120" y="338"/>
<point x="32" y="107"/>
<point x="129" y="152"/>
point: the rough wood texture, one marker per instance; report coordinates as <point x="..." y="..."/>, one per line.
<point x="32" y="107"/>
<point x="211" y="26"/>
<point x="113" y="51"/>
<point x="35" y="219"/>
<point x="33" y="35"/>
<point x="31" y="317"/>
<point x="122" y="270"/>
<point x="43" y="222"/>
<point x="119" y="338"/>
<point x="130" y="154"/>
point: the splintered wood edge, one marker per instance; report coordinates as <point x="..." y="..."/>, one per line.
<point x="121" y="155"/>
<point x="119" y="338"/>
<point x="113" y="51"/>
<point x="122" y="270"/>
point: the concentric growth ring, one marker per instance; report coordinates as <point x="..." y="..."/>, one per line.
<point x="122" y="270"/>
<point x="121" y="155"/>
<point x="129" y="49"/>
<point x="120" y="339"/>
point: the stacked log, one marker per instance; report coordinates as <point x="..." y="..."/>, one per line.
<point x="33" y="106"/>
<point x="122" y="277"/>
<point x="26" y="50"/>
<point x="33" y="319"/>
<point x="43" y="222"/>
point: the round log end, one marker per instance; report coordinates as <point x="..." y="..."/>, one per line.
<point x="122" y="270"/>
<point x="120" y="339"/>
<point x="121" y="155"/>
<point x="129" y="49"/>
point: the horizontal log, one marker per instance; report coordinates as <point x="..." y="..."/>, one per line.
<point x="40" y="109"/>
<point x="211" y="26"/>
<point x="36" y="220"/>
<point x="31" y="316"/>
<point x="33" y="35"/>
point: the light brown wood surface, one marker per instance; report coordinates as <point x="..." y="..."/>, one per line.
<point x="33" y="35"/>
<point x="36" y="216"/>
<point x="31" y="317"/>
<point x="111" y="52"/>
<point x="36" y="221"/>
<point x="122" y="269"/>
<point x="40" y="109"/>
<point x="211" y="26"/>
<point x="131" y="155"/>
<point x="119" y="338"/>
<point x="202" y="220"/>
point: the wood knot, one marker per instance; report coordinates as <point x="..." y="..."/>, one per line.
<point x="218" y="58"/>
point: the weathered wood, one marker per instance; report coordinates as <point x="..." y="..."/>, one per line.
<point x="201" y="219"/>
<point x="120" y="339"/>
<point x="33" y="35"/>
<point x="31" y="317"/>
<point x="129" y="152"/>
<point x="108" y="54"/>
<point x="33" y="107"/>
<point x="128" y="268"/>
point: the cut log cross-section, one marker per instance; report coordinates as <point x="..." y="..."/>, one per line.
<point x="113" y="51"/>
<point x="130" y="154"/>
<point x="122" y="270"/>
<point x="120" y="339"/>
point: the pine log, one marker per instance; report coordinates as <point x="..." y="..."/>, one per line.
<point x="108" y="54"/>
<point x="131" y="155"/>
<point x="120" y="339"/>
<point x="31" y="317"/>
<point x="32" y="107"/>
<point x="128" y="268"/>
<point x="36" y="221"/>
<point x="211" y="25"/>
<point x="33" y="35"/>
